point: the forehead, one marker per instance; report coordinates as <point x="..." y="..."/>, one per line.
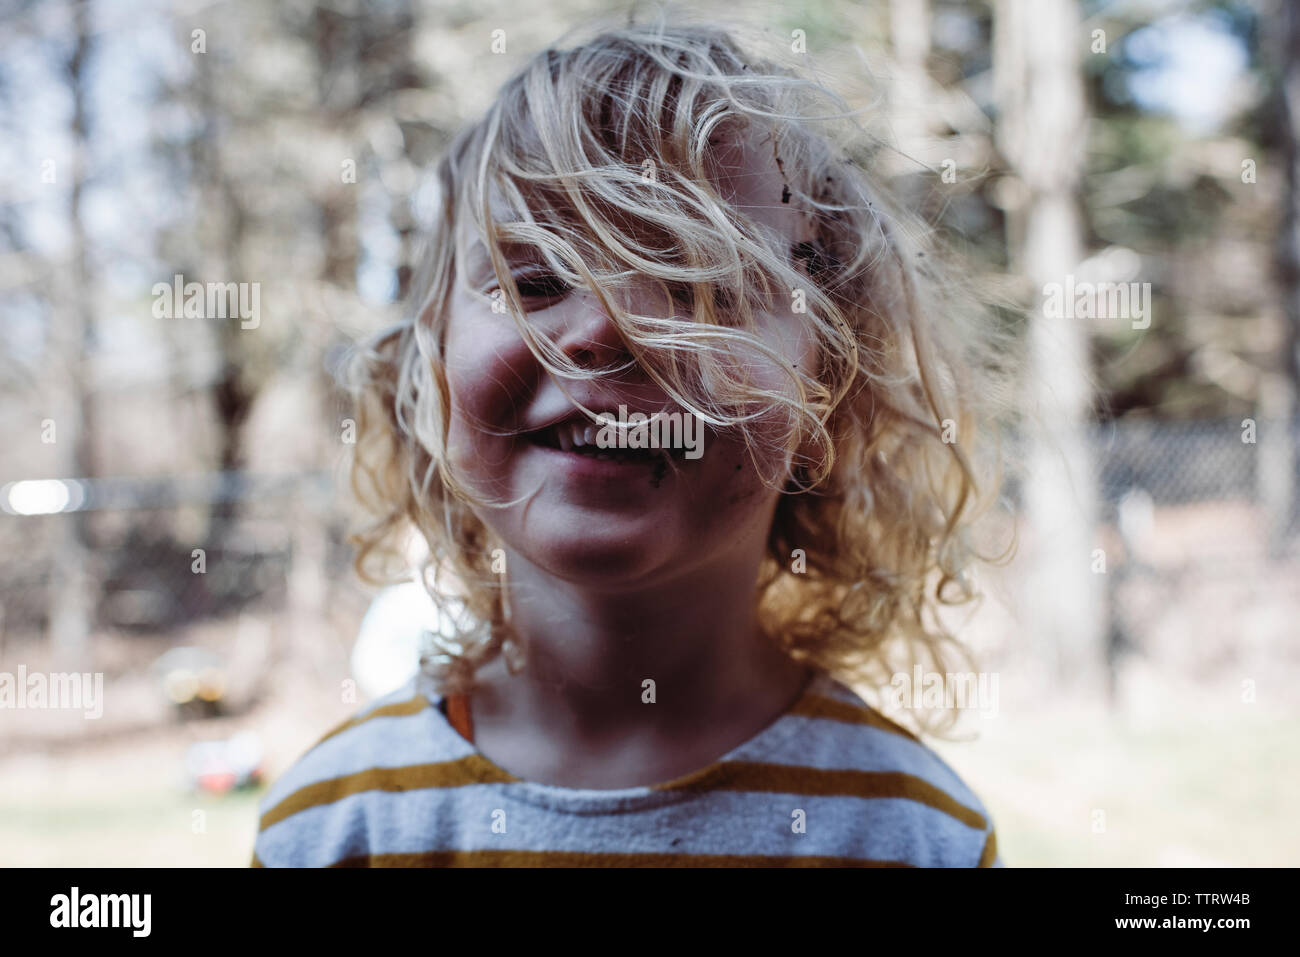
<point x="745" y="170"/>
<point x="472" y="252"/>
<point x="751" y="176"/>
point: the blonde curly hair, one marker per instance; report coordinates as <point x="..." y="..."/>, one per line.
<point x="603" y="151"/>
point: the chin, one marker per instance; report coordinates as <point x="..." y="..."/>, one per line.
<point x="602" y="555"/>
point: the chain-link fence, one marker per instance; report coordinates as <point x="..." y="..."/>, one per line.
<point x="153" y="555"/>
<point x="1179" y="463"/>
<point x="1185" y="514"/>
<point x="1202" y="525"/>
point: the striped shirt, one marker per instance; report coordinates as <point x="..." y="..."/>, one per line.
<point x="831" y="782"/>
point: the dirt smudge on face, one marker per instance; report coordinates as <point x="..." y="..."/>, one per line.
<point x="661" y="469"/>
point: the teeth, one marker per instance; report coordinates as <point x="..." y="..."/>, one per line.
<point x="568" y="436"/>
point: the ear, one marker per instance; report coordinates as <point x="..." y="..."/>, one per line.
<point x="800" y="473"/>
<point x="805" y="227"/>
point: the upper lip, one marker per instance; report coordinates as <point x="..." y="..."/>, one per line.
<point x="600" y="403"/>
<point x="573" y="415"/>
<point x="577" y="416"/>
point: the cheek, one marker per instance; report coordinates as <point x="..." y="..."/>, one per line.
<point x="776" y="432"/>
<point x="790" y="335"/>
<point x="490" y="374"/>
<point x="732" y="506"/>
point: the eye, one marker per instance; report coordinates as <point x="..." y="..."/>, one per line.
<point x="537" y="287"/>
<point x="541" y="284"/>
<point x="724" y="300"/>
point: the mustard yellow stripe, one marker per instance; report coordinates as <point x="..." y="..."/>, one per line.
<point x="738" y="776"/>
<point x="819" y="782"/>
<point x="595" y="859"/>
<point x="255" y="861"/>
<point x="400" y="709"/>
<point x="990" y="852"/>
<point x="472" y="769"/>
<point x="817" y="706"/>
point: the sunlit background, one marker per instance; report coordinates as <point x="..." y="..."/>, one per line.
<point x="173" y="502"/>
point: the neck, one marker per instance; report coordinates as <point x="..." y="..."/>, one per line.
<point x="590" y="653"/>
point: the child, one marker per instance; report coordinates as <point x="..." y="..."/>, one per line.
<point x="647" y="644"/>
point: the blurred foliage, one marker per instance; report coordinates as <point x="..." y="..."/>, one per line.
<point x="226" y="164"/>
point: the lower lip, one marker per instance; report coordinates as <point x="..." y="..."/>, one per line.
<point x="586" y="466"/>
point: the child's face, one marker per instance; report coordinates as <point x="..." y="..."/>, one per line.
<point x="588" y="521"/>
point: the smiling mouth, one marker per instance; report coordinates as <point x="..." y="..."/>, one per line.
<point x="577" y="438"/>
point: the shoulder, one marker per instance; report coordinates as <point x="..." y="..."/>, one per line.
<point x="895" y="794"/>
<point x="315" y="812"/>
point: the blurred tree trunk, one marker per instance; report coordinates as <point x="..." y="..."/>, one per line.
<point x="1042" y="128"/>
<point x="219" y="248"/>
<point x="909" y="28"/>
<point x="73" y="586"/>
<point x="339" y="44"/>
<point x="1280" y="398"/>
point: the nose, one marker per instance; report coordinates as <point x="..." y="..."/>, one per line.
<point x="590" y="338"/>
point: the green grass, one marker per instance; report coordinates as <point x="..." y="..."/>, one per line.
<point x="135" y="828"/>
<point x="1215" y="791"/>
